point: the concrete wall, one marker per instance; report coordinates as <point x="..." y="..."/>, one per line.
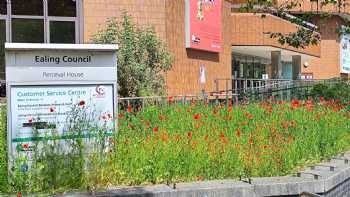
<point x="329" y="179"/>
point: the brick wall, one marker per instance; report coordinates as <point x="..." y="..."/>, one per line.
<point x="184" y="77"/>
<point x="168" y="18"/>
<point x="309" y="5"/>
<point x="144" y="12"/>
<point x="251" y="29"/>
<point x="328" y="65"/>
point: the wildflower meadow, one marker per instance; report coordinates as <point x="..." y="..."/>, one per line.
<point x="194" y="141"/>
<point x="199" y="141"/>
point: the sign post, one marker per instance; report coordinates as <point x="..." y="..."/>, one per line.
<point x="45" y="80"/>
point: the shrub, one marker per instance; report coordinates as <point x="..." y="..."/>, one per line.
<point x="339" y="90"/>
<point x="142" y="57"/>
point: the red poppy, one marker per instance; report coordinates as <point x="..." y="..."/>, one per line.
<point x="170" y="99"/>
<point x="189" y="135"/>
<point x="250" y="141"/>
<point x="155" y="129"/>
<point x="82" y="103"/>
<point x="121" y="116"/>
<point x="206" y="137"/>
<point x="334" y="109"/>
<point x="178" y="137"/>
<point x="249" y="116"/>
<point x="322" y="99"/>
<point x="164" y="137"/>
<point x="25" y="146"/>
<point x="272" y="98"/>
<point x="238" y="133"/>
<point x="129" y="108"/>
<point x="223" y="138"/>
<point x="295" y="103"/>
<point x="161" y="117"/>
<point x="281" y="102"/>
<point x="229" y="109"/>
<point x="197" y="117"/>
<point x="19" y="194"/>
<point x="222" y="135"/>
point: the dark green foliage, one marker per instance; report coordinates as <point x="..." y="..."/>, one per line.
<point x="339" y="90"/>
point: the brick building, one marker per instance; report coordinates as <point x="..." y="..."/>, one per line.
<point x="246" y="49"/>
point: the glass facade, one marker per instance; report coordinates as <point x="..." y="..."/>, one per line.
<point x="248" y="67"/>
<point x="287" y="72"/>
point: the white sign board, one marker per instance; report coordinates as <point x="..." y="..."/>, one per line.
<point x="44" y="81"/>
<point x="345" y="53"/>
<point x="202" y="75"/>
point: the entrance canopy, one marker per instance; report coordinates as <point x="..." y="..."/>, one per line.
<point x="265" y="52"/>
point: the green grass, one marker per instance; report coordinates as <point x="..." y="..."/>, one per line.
<point x="197" y="142"/>
<point x="175" y="143"/>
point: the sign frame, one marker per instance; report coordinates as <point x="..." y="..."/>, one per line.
<point x="14" y="50"/>
<point x="203" y="25"/>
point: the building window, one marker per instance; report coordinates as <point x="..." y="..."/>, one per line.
<point x="2" y="48"/>
<point x="38" y="21"/>
<point x="3" y="7"/>
<point x="27" y="7"/>
<point x="28" y="30"/>
<point x="62" y="8"/>
<point x="62" y="32"/>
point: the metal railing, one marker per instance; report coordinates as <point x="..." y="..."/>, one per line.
<point x="139" y="103"/>
<point x="264" y="88"/>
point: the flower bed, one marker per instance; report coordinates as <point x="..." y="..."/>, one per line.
<point x="203" y="142"/>
<point x="176" y="143"/>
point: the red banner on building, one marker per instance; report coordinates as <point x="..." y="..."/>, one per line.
<point x="203" y="25"/>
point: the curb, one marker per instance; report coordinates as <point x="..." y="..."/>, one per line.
<point x="320" y="179"/>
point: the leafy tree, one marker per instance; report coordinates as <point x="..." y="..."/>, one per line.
<point x="142" y="57"/>
<point x="302" y="37"/>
